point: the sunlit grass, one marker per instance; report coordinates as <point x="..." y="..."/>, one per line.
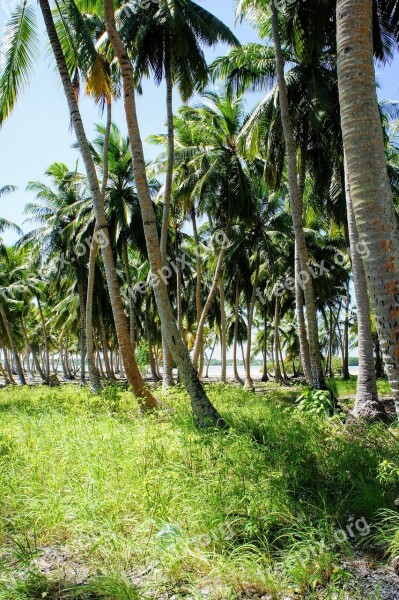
<point x="348" y="388"/>
<point x="149" y="503"/>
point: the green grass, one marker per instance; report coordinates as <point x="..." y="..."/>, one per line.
<point x="348" y="388"/>
<point x="148" y="504"/>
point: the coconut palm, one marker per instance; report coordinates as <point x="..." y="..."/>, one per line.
<point x="370" y="188"/>
<point x="294" y="189"/>
<point x="166" y="41"/>
<point x="212" y="175"/>
<point x="16" y="70"/>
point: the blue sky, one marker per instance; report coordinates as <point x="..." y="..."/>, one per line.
<point x="38" y="131"/>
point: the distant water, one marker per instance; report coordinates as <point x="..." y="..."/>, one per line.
<point x="256" y="371"/>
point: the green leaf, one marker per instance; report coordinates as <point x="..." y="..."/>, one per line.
<point x="17" y="55"/>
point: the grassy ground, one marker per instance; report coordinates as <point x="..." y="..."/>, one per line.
<point x="348" y="388"/>
<point x="98" y="501"/>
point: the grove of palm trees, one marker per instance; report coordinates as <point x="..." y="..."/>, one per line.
<point x="199" y="328"/>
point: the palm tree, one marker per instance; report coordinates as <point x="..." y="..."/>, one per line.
<point x="256" y="68"/>
<point x="203" y="409"/>
<point x="166" y="40"/>
<point x="212" y="173"/>
<point x="370" y="187"/>
<point x="12" y="290"/>
<point x="367" y="403"/>
<point x="16" y="71"/>
<point x="132" y="371"/>
<point x="4" y="223"/>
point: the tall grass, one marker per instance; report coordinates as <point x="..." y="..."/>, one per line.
<point x="148" y="504"/>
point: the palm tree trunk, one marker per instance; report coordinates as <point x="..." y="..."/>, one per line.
<point x="93" y="372"/>
<point x="277" y="372"/>
<point x="223" y="331"/>
<point x="302" y="335"/>
<point x="13" y="346"/>
<point x="198" y="284"/>
<point x="103" y="336"/>
<point x="235" y="335"/>
<point x="44" y="329"/>
<point x="207" y="307"/>
<point x="249" y="384"/>
<point x="296" y="211"/>
<point x="370" y="187"/>
<point x="82" y="335"/>
<point x="29" y="348"/>
<point x="331" y="329"/>
<point x="7" y="365"/>
<point x="167" y="380"/>
<point x="203" y="409"/>
<point x="345" y="339"/>
<point x="130" y="291"/>
<point x="379" y="363"/>
<point x="3" y="373"/>
<point x="167" y="366"/>
<point x="171" y="157"/>
<point x="265" y="375"/>
<point x="179" y="289"/>
<point x="210" y="358"/>
<point x="149" y="340"/>
<point x="282" y="361"/>
<point x="63" y="365"/>
<point x="144" y="395"/>
<point x="367" y="403"/>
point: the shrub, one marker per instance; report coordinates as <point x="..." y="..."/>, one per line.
<point x="316" y="402"/>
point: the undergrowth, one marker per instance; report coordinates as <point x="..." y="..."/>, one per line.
<point x="142" y="506"/>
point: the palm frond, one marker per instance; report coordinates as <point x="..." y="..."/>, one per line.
<point x="17" y="55"/>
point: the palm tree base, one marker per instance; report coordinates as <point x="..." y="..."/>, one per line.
<point x="369" y="410"/>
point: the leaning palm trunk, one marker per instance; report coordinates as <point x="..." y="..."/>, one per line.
<point x="203" y="410"/>
<point x="198" y="344"/>
<point x="93" y="371"/>
<point x="371" y="192"/>
<point x="277" y="371"/>
<point x="198" y="284"/>
<point x="210" y="359"/>
<point x="13" y="346"/>
<point x="296" y="212"/>
<point x="249" y="384"/>
<point x="367" y="403"/>
<point x="235" y="334"/>
<point x="223" y="331"/>
<point x="167" y="366"/>
<point x="146" y="399"/>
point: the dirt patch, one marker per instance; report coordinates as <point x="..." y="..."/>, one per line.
<point x="60" y="563"/>
<point x="374" y="581"/>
